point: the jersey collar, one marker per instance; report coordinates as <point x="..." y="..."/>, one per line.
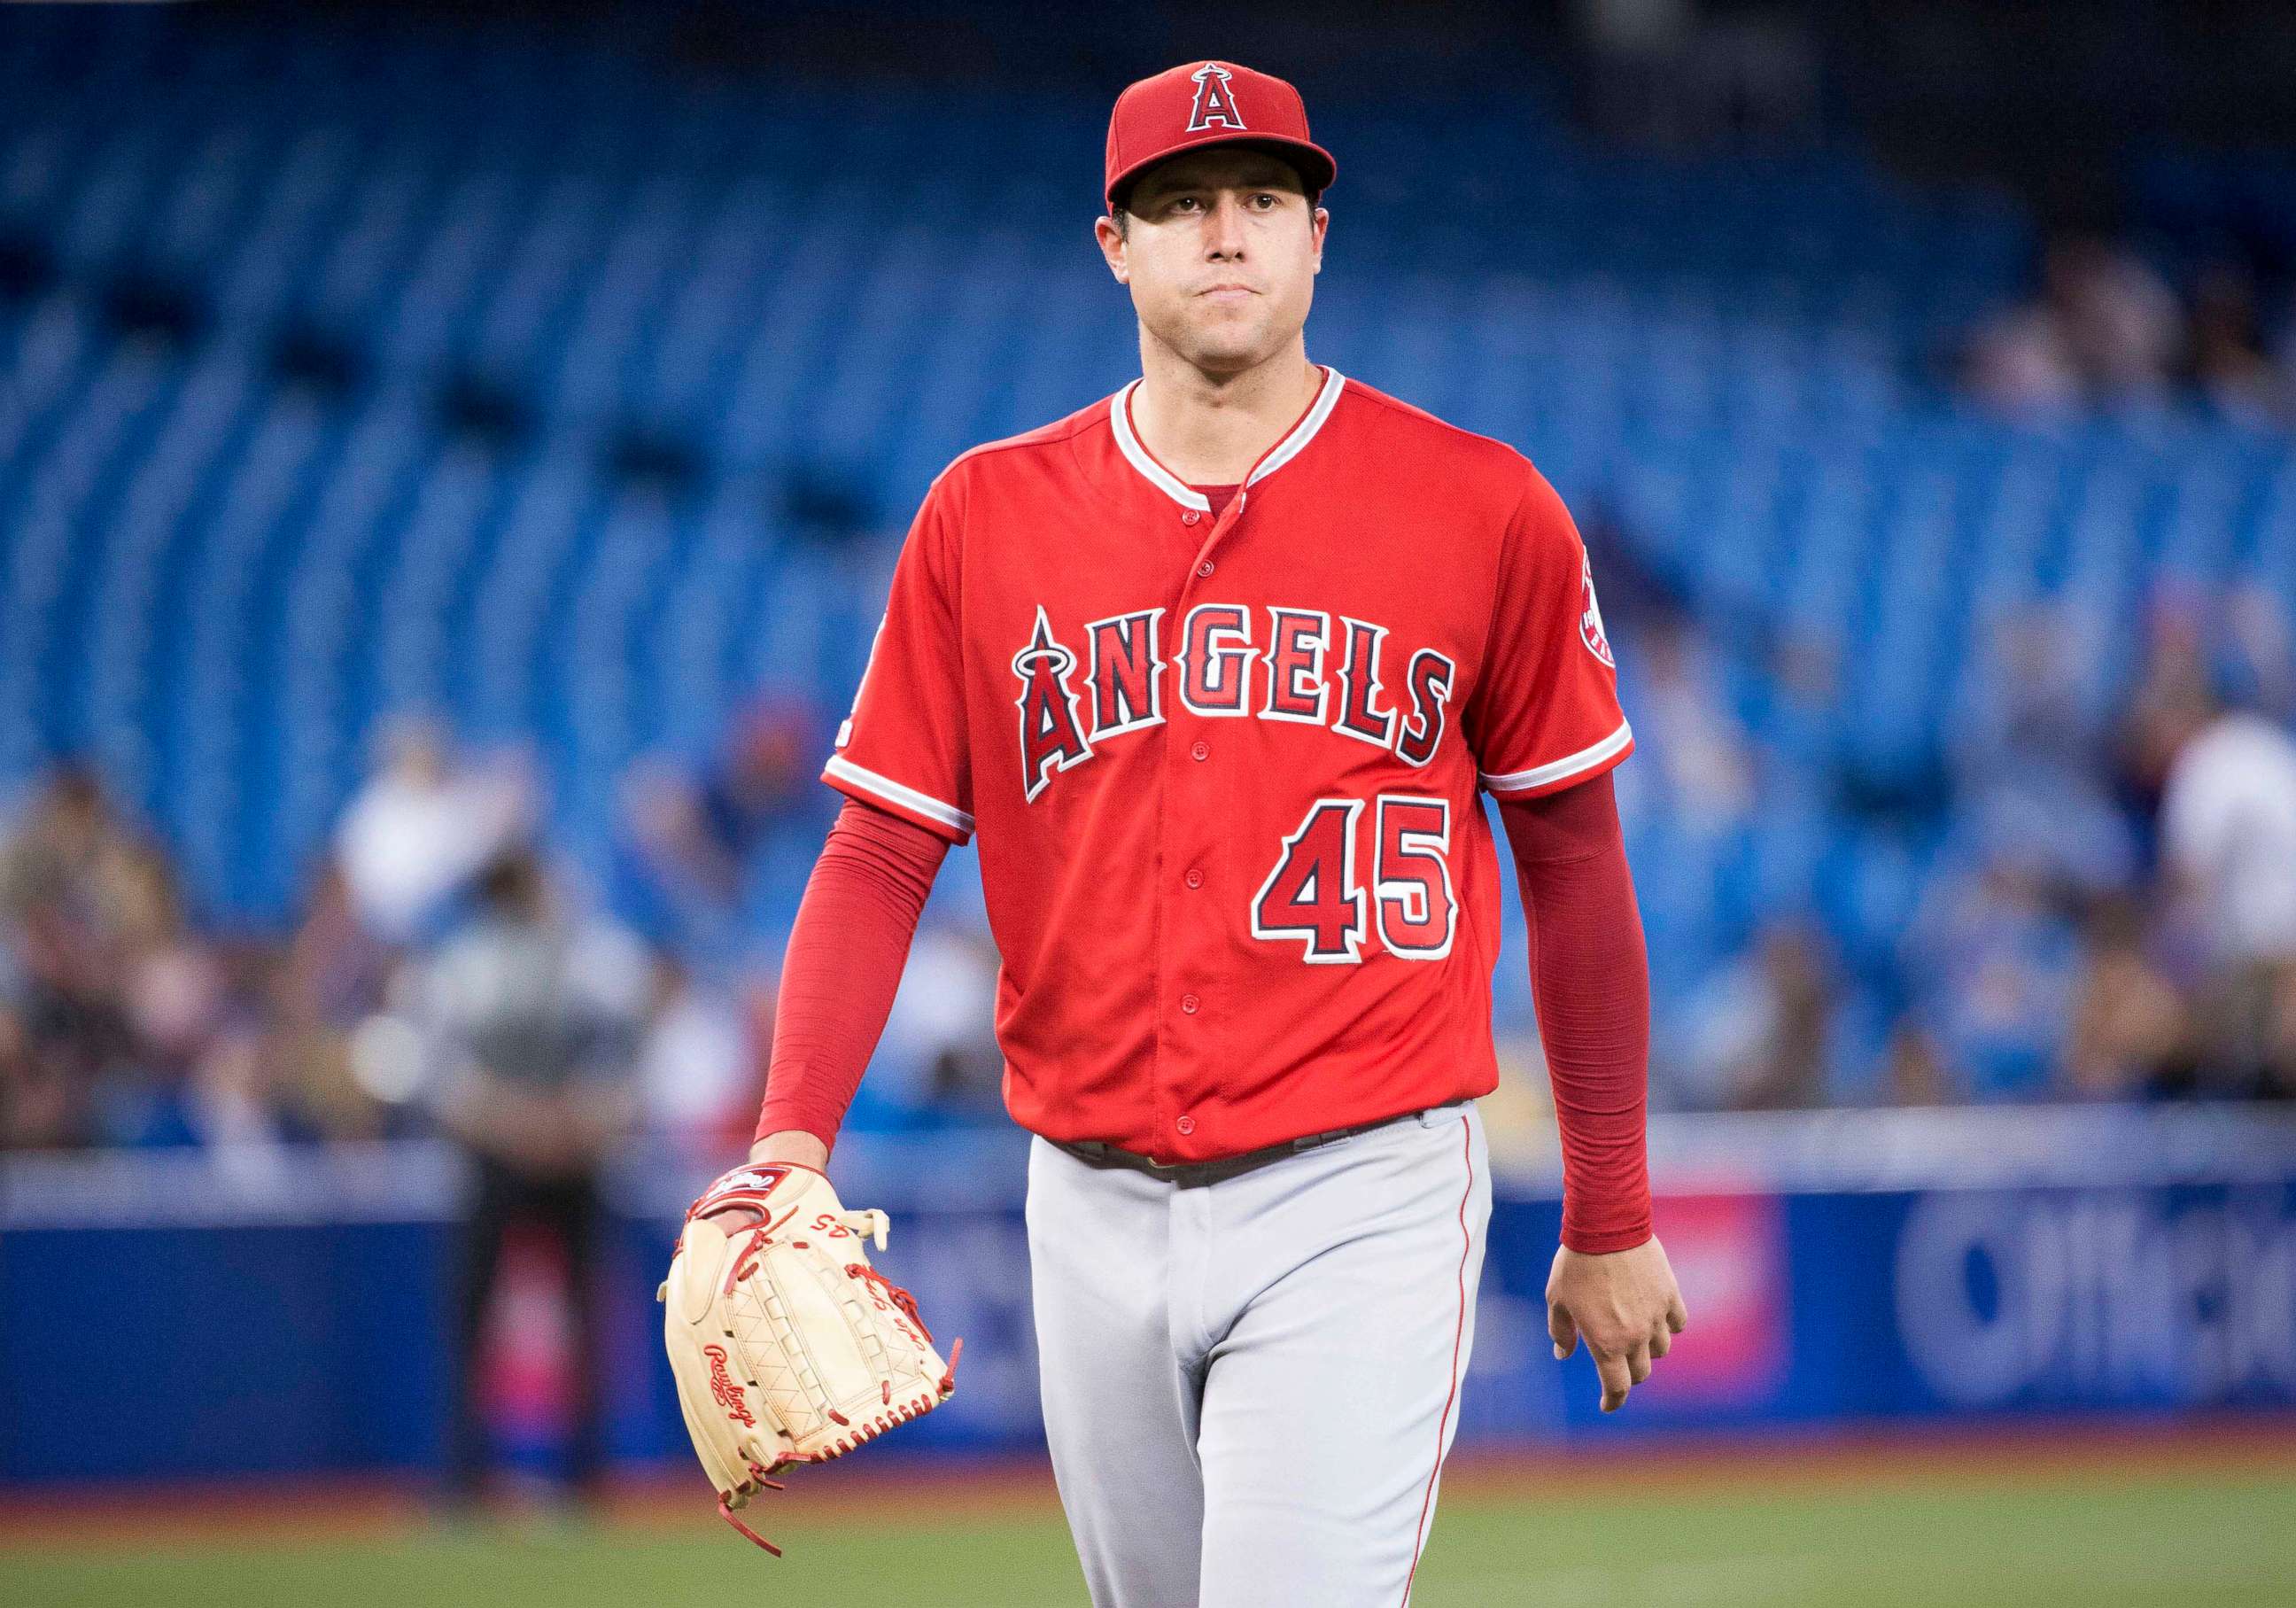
<point x="1119" y="417"/>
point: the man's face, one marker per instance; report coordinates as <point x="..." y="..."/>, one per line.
<point x="1221" y="254"/>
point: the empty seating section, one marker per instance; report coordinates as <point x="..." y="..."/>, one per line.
<point x="341" y="374"/>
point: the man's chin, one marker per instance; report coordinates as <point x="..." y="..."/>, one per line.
<point x="1226" y="351"/>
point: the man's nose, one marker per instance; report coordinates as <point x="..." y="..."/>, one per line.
<point x="1224" y="230"/>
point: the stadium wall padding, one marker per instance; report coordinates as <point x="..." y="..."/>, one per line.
<point x="156" y="1323"/>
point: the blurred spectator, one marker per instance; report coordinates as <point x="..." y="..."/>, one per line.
<point x="174" y="1001"/>
<point x="332" y="980"/>
<point x="2118" y="318"/>
<point x="534" y="1017"/>
<point x="2131" y="1034"/>
<point x="2279" y="1036"/>
<point x="1911" y="1072"/>
<point x="1704" y="765"/>
<point x="424" y="826"/>
<point x="687" y="840"/>
<point x="1994" y="962"/>
<point x="2258" y="650"/>
<point x="939" y="1061"/>
<point x="244" y="1094"/>
<point x="2029" y="757"/>
<point x="701" y="1076"/>
<point x="2228" y="850"/>
<point x="2018" y="361"/>
<point x="1757" y="1035"/>
<point x="86" y="903"/>
<point x="72" y="857"/>
<point x="2106" y="329"/>
<point x="2172" y="699"/>
<point x="2225" y="347"/>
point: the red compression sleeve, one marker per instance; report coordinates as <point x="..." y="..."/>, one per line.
<point x="845" y="951"/>
<point x="1590" y="979"/>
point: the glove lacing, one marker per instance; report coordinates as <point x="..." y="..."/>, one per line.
<point x="872" y="1225"/>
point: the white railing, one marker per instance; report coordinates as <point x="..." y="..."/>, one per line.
<point x="1836" y="1152"/>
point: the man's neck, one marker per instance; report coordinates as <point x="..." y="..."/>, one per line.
<point x="1210" y="428"/>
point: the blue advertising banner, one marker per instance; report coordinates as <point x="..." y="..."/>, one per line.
<point x="1839" y="1268"/>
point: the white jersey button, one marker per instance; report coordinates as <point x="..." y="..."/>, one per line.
<point x="1188" y="1003"/>
<point x="1186" y="1125"/>
<point x="1205" y="567"/>
<point x="1190" y="517"/>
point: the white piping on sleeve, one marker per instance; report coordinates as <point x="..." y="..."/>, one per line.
<point x="1569" y="765"/>
<point x="895" y="793"/>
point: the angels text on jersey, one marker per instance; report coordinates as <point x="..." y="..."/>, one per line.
<point x="1223" y="660"/>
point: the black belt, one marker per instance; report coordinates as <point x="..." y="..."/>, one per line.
<point x="1100" y="1154"/>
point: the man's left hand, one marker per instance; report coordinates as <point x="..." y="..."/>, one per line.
<point x="1624" y="1305"/>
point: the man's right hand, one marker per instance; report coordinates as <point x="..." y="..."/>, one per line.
<point x="793" y="1145"/>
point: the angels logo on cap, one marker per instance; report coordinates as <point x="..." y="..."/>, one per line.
<point x="1215" y="101"/>
<point x="1202" y="103"/>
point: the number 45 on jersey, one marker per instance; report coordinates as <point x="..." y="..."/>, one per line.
<point x="1315" y="896"/>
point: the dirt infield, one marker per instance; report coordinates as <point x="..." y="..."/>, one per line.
<point x="954" y="1490"/>
<point x="2007" y="1452"/>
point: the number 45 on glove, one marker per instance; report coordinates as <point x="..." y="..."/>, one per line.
<point x="788" y="1346"/>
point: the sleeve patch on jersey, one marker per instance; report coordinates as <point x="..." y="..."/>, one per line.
<point x="1569" y="765"/>
<point x="1590" y="615"/>
<point x="895" y="793"/>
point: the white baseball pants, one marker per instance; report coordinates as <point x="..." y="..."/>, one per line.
<point x="1250" y="1375"/>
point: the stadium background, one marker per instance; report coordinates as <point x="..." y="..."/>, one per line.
<point x="435" y="435"/>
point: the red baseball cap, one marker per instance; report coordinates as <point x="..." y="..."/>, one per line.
<point x="1210" y="104"/>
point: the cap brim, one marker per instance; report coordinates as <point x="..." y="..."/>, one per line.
<point x="1315" y="166"/>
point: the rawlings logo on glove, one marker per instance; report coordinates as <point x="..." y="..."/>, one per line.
<point x="835" y="1352"/>
<point x="722" y="1386"/>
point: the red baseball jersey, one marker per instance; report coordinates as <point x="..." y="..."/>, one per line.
<point x="1222" y="770"/>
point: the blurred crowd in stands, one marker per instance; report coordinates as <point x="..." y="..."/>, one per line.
<point x="2113" y="917"/>
<point x="2109" y="914"/>
<point x="2107" y="327"/>
<point x="445" y="971"/>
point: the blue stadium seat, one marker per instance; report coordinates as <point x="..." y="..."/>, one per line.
<point x="353" y="372"/>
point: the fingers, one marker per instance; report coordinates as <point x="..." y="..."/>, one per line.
<point x="1662" y="1338"/>
<point x="1617" y="1379"/>
<point x="1624" y="1305"/>
<point x="1562" y="1329"/>
<point x="1621" y="1371"/>
<point x="1627" y="1366"/>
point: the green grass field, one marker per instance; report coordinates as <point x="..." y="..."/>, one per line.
<point x="2071" y="1539"/>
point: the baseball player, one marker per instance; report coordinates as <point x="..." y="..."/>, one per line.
<point x="1213" y="672"/>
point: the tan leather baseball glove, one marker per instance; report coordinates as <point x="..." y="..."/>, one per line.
<point x="788" y="1346"/>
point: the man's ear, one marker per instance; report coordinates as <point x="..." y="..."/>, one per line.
<point x="1111" y="244"/>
